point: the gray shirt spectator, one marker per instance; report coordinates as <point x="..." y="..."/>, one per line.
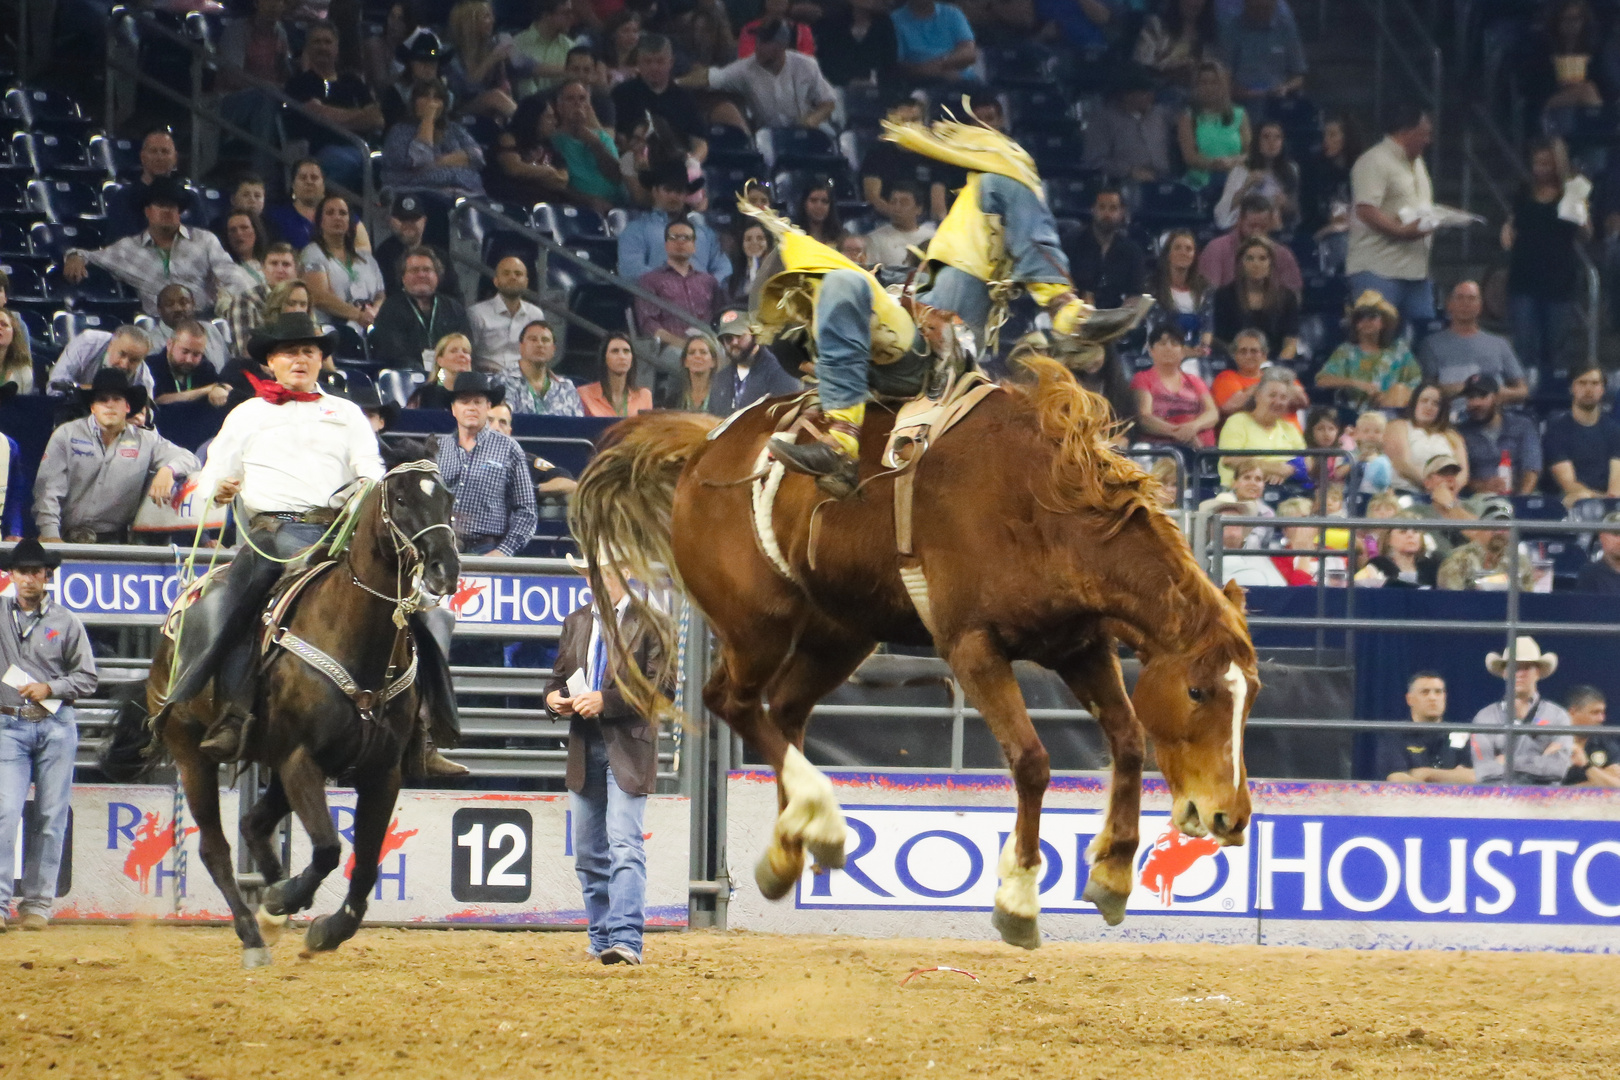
<point x="1530" y="759"/>
<point x="91" y="350"/>
<point x="1452" y="355"/>
<point x="1130" y="137"/>
<point x="782" y="88"/>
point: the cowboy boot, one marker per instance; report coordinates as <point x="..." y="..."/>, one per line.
<point x="1086" y="325"/>
<point x="223" y="743"/>
<point x="436" y="766"/>
<point x="834" y="458"/>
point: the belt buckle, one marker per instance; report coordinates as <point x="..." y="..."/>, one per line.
<point x="33" y="712"/>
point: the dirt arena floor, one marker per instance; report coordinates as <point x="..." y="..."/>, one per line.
<point x="159" y="1001"/>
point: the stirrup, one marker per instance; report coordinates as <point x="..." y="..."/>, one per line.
<point x="835" y="472"/>
<point x="223" y="742"/>
<point x="1109" y="324"/>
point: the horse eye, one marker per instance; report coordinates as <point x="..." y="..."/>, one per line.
<point x="1195" y="693"/>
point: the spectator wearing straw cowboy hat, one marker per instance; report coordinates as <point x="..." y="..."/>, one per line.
<point x="1508" y="758"/>
<point x="48" y="663"/>
<point x="97" y="468"/>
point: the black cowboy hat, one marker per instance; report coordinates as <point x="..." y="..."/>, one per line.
<point x="362" y="392"/>
<point x="476" y="382"/>
<point x="29" y="552"/>
<point x="166" y="189"/>
<point x="423" y="44"/>
<point x="290" y="328"/>
<point x="113" y="381"/>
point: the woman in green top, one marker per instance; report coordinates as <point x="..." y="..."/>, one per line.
<point x="1214" y="133"/>
<point x="1373" y="369"/>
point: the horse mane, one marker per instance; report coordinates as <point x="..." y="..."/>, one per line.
<point x="1088" y="475"/>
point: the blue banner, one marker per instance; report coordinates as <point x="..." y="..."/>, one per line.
<point x="111" y="588"/>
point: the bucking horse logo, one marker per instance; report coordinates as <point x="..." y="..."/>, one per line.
<point x="1172" y="855"/>
<point x="151" y="845"/>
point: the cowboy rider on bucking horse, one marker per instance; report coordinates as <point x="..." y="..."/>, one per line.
<point x="282" y="454"/>
<point x="998" y="236"/>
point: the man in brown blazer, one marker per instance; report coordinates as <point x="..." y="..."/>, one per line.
<point x="612" y="768"/>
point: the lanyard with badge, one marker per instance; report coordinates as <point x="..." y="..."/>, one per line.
<point x="427" y="324"/>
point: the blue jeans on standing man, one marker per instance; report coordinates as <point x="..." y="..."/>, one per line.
<point x="42" y="754"/>
<point x="1414" y="299"/>
<point x="608" y="853"/>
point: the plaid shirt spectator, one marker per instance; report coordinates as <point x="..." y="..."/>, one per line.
<point x="196" y="260"/>
<point x="694" y="291"/>
<point x="494" y="498"/>
<point x="561" y="397"/>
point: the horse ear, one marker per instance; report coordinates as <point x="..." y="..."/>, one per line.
<point x="1234" y="592"/>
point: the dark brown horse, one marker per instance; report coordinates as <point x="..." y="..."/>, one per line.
<point x="1034" y="541"/>
<point x="307" y="729"/>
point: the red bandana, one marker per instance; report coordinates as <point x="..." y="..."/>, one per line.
<point x="275" y="393"/>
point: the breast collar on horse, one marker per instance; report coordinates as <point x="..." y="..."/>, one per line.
<point x="370" y="703"/>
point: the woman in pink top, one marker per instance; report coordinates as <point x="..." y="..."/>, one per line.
<point x="616" y="393"/>
<point x="1171" y="405"/>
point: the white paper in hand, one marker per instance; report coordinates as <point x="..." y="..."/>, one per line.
<point x="578" y="684"/>
<point x="16" y="678"/>
<point x="1572" y="206"/>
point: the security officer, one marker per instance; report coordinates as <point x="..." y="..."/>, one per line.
<point x="96" y="468"/>
<point x="1426" y="757"/>
<point x="285" y="454"/>
<point x="48" y="665"/>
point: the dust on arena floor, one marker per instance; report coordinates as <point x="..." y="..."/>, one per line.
<point x="164" y="1001"/>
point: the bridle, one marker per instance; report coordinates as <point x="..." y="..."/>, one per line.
<point x="408" y="557"/>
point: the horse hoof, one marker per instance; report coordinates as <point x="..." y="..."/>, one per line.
<point x="255" y="958"/>
<point x="270" y="926"/>
<point x="322" y="935"/>
<point x="1110" y="904"/>
<point x="1019" y="930"/>
<point x="273" y="901"/>
<point x="827" y="855"/>
<point x="772" y="886"/>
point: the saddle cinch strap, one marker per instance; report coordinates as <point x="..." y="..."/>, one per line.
<point x="917" y="426"/>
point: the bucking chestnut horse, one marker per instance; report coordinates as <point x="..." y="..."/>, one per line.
<point x="350" y="619"/>
<point x="1035" y="541"/>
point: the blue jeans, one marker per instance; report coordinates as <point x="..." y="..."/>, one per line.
<point x="843" y="329"/>
<point x="1413" y="299"/>
<point x="1031" y="239"/>
<point x="1546" y="333"/>
<point x="608" y="853"/>
<point x="40" y="753"/>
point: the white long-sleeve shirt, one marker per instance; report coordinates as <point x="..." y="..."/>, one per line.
<point x="292" y="458"/>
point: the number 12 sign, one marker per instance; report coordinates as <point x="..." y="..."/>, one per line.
<point x="492" y="860"/>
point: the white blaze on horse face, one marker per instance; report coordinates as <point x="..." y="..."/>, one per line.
<point x="1239" y="687"/>
<point x="426" y="485"/>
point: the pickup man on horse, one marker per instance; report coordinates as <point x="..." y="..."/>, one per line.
<point x="282" y="455"/>
<point x="998" y="237"/>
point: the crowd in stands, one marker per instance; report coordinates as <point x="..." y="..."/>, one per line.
<point x="1290" y="257"/>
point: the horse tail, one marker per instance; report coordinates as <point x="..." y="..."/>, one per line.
<point x="620" y="515"/>
<point x="131" y="748"/>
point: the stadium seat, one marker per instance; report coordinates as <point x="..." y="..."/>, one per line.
<point x="14" y="238"/>
<point x="57" y="240"/>
<point x="67" y="325"/>
<point x="351" y="344"/>
<point x="615" y="220"/>
<point x="800" y="148"/>
<point x="64" y="201"/>
<point x="570" y="222"/>
<point x="120" y="157"/>
<point x="1325" y="294"/>
<point x="473" y="221"/>
<point x="27" y="277"/>
<point x="863" y="107"/>
<point x="34" y="106"/>
<point x="98" y="286"/>
<point x="396" y="385"/>
<point x="1055" y="154"/>
<point x="730" y="146"/>
<point x="13" y="195"/>
<point x="1072" y="196"/>
<point x="1039" y="109"/>
<point x="63" y="156"/>
<point x="601" y="303"/>
<point x="39" y="327"/>
<point x="1025" y="63"/>
<point x="600" y="251"/>
<point x="212" y="203"/>
<point x="1169" y="205"/>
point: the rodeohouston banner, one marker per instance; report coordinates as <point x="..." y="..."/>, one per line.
<point x="104" y="588"/>
<point x="1325" y="865"/>
<point x="449" y="857"/>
